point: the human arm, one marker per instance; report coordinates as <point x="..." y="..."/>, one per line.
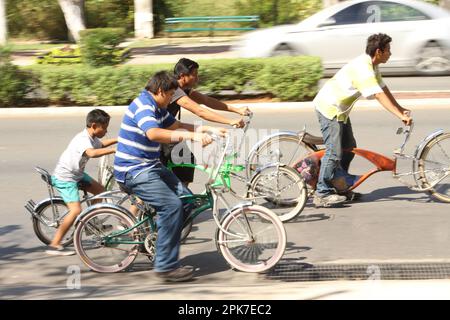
<point x="193" y="106"/>
<point x="369" y="82"/>
<point x="213" y="103"/>
<point x="108" y="142"/>
<point x="97" y="153"/>
<point x="171" y="134"/>
<point x="387" y="100"/>
<point x="205" y="129"/>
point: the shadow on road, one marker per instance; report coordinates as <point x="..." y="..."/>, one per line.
<point x="207" y="263"/>
<point x="312" y="217"/>
<point x="394" y="194"/>
<point x="10" y="228"/>
<point x="16" y="253"/>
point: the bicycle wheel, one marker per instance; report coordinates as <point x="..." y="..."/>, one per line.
<point x="284" y="148"/>
<point x="434" y="167"/>
<point x="185" y="231"/>
<point x="96" y="244"/>
<point x="254" y="241"/>
<point x="280" y="189"/>
<point x="45" y="230"/>
<point x="105" y="171"/>
<point x="111" y="183"/>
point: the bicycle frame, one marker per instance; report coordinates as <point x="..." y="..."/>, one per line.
<point x="208" y="200"/>
<point x="227" y="170"/>
<point x="383" y="163"/>
<point x="380" y="162"/>
<point x="33" y="207"/>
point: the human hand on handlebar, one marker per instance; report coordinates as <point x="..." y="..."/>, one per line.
<point x="202" y="137"/>
<point x="243" y="111"/>
<point x="215" y="130"/>
<point x="406" y="117"/>
<point x="238" y="123"/>
<point x="221" y="132"/>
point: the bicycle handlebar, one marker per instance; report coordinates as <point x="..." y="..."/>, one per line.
<point x="407" y="131"/>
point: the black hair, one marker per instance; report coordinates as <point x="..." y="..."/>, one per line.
<point x="163" y="81"/>
<point x="377" y="41"/>
<point x="184" y="66"/>
<point x="97" y="116"/>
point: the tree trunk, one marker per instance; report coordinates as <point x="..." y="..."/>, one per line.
<point x="445" y="4"/>
<point x="143" y="19"/>
<point x="74" y="15"/>
<point x="3" y="23"/>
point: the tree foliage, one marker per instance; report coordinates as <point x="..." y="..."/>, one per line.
<point x="275" y="12"/>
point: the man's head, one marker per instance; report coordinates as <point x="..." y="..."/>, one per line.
<point x="186" y="72"/>
<point x="98" y="120"/>
<point x="379" y="47"/>
<point x="162" y="86"/>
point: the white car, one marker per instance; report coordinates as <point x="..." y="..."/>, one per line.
<point x="420" y="35"/>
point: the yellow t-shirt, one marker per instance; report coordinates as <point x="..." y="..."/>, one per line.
<point x="339" y="94"/>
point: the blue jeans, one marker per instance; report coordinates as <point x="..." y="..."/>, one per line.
<point x="337" y="137"/>
<point x="161" y="189"/>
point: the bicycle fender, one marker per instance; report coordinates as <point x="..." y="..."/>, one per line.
<point x="104" y="205"/>
<point x="421" y="146"/>
<point x="238" y="206"/>
<point x="46" y="201"/>
<point x="280" y="133"/>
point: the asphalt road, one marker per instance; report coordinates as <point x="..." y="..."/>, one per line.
<point x="391" y="225"/>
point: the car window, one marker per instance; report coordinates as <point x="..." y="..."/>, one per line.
<point x="351" y="15"/>
<point x="376" y="11"/>
<point x="390" y="11"/>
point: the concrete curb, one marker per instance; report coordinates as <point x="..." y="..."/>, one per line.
<point x="257" y="107"/>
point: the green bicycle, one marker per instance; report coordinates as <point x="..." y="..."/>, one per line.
<point x="251" y="238"/>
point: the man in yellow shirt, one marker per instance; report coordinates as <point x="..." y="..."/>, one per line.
<point x="333" y="103"/>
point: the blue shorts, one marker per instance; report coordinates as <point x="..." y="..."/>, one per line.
<point x="69" y="189"/>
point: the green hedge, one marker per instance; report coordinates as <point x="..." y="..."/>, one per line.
<point x="288" y="79"/>
<point x="14" y="82"/>
<point x="65" y="55"/>
<point x="89" y="86"/>
<point x="291" y="78"/>
<point x="99" y="46"/>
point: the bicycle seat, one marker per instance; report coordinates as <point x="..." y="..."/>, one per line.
<point x="311" y="139"/>
<point x="44" y="175"/>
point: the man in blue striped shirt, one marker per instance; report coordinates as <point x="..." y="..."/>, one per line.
<point x="145" y="125"/>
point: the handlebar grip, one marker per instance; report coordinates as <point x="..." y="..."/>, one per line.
<point x="214" y="136"/>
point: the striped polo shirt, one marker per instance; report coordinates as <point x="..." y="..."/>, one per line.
<point x="135" y="152"/>
<point x="339" y="94"/>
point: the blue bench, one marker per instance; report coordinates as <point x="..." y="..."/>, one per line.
<point x="210" y="24"/>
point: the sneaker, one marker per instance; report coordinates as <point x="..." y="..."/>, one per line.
<point x="352" y="196"/>
<point x="328" y="201"/>
<point x="179" y="274"/>
<point x="59" y="251"/>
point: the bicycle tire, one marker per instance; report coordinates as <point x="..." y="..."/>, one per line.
<point x="46" y="233"/>
<point x="186" y="231"/>
<point x="433" y="161"/>
<point x="262" y="252"/>
<point x="287" y="196"/>
<point x="110" y="183"/>
<point x="84" y="229"/>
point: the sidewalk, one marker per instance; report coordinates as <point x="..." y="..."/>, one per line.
<point x="412" y="100"/>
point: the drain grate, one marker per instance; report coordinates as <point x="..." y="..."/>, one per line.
<point x="373" y="271"/>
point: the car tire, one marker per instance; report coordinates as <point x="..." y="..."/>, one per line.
<point x="433" y="60"/>
<point x="282" y="50"/>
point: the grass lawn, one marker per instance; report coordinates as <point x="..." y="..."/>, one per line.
<point x="32" y="45"/>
